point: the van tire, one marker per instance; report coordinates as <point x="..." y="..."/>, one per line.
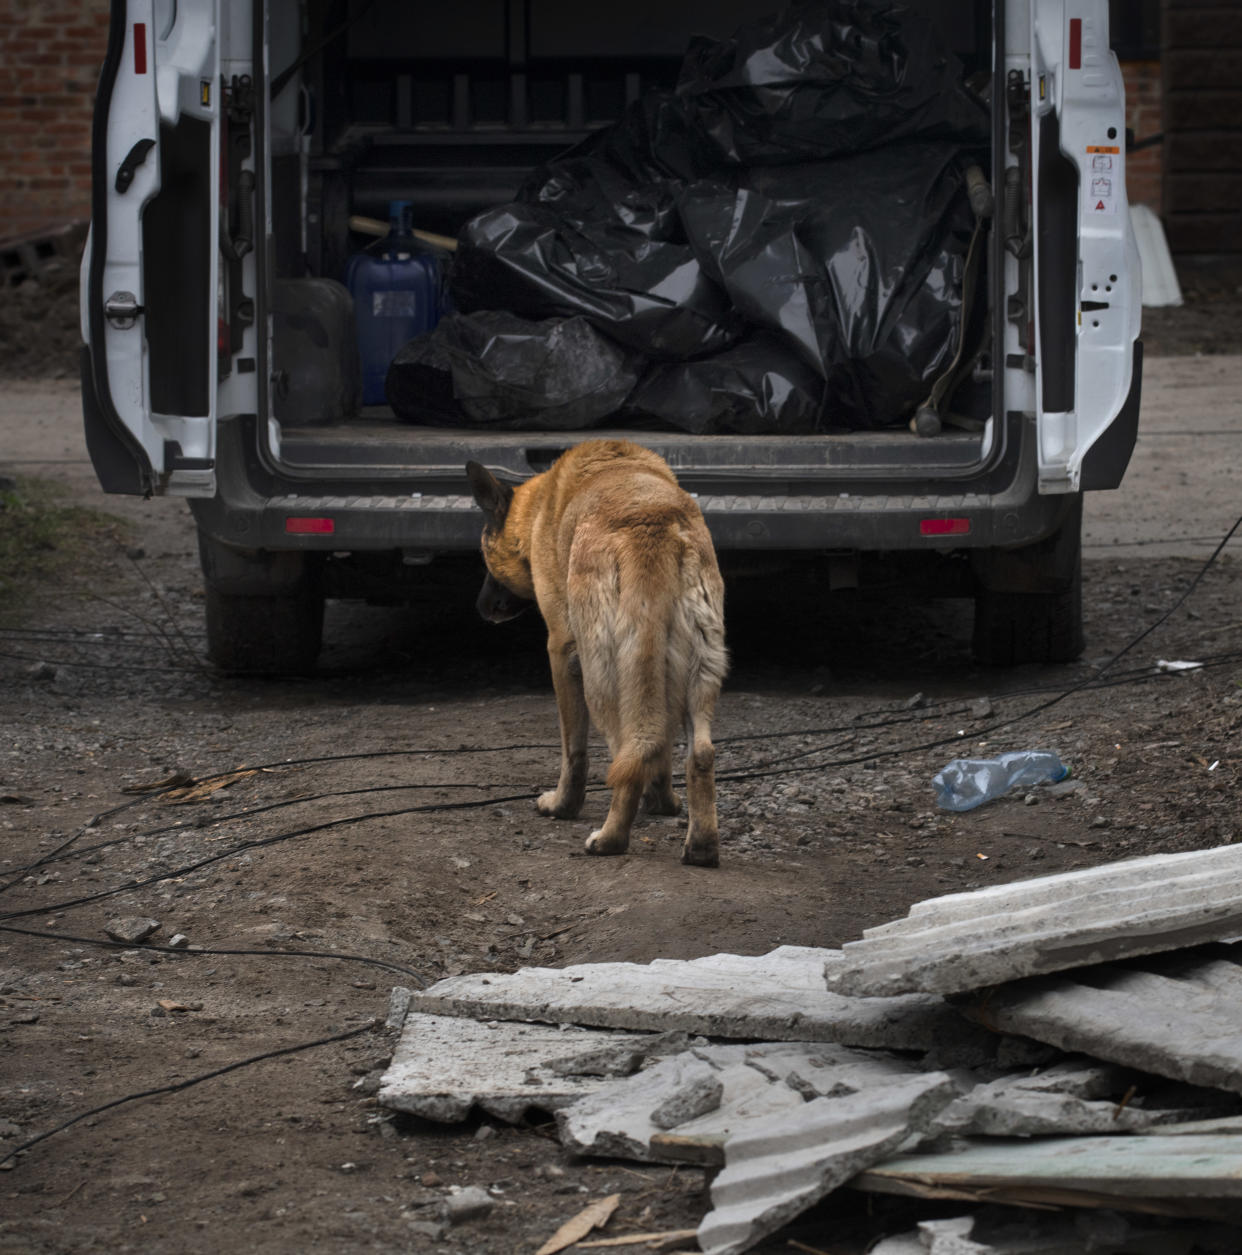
<point x="264" y="634"/>
<point x="1015" y="628"/>
<point x="1028" y="606"/>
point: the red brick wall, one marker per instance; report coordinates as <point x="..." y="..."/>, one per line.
<point x="51" y="51"/>
<point x="1144" y="116"/>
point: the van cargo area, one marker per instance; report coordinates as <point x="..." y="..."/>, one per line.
<point x="452" y="118"/>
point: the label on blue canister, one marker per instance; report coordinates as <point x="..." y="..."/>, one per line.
<point x="395" y="304"/>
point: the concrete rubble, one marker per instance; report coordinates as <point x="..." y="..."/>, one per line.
<point x="444" y="1066"/>
<point x="1000" y="1231"/>
<point x="1176" y="1014"/>
<point x="757" y="1083"/>
<point x="966" y="941"/>
<point x="776" y="996"/>
<point x="778" y="1071"/>
<point x="1193" y="1174"/>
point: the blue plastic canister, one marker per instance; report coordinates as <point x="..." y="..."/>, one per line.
<point x="396" y="286"/>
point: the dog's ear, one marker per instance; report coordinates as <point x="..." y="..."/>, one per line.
<point x="492" y="496"/>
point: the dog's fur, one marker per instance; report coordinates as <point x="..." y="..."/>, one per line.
<point x="620" y="562"/>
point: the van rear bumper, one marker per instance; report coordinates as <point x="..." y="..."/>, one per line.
<point x="753" y="505"/>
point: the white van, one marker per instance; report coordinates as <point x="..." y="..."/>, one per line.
<point x="243" y="150"/>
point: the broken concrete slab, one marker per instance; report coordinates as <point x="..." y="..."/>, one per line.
<point x="444" y="1066"/>
<point x="777" y="1167"/>
<point x="756" y="1082"/>
<point x="778" y="996"/>
<point x="967" y="941"/>
<point x="1177" y="1015"/>
<point x="1060" y="1099"/>
<point x="1195" y="1175"/>
<point x="998" y="1231"/>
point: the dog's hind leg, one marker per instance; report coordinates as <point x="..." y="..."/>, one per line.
<point x="565" y="801"/>
<point x="702" y="846"/>
<point x="659" y="798"/>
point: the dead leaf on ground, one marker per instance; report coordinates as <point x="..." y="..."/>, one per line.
<point x="577" y="1227"/>
<point x="169" y="1005"/>
<point x="197" y="790"/>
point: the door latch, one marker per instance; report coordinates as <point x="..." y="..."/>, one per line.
<point x="121" y="309"/>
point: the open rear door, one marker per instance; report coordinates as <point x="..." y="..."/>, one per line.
<point x="168" y="296"/>
<point x="1088" y="289"/>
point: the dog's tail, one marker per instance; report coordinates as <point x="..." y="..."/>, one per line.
<point x="642" y="625"/>
<point x="668" y="646"/>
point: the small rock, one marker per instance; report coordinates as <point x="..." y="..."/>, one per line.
<point x="917" y="702"/>
<point x="484" y="1133"/>
<point x="1031" y="799"/>
<point x="41" y="671"/>
<point x="431" y="1179"/>
<point x="126" y="979"/>
<point x="432" y="1230"/>
<point x="134" y="552"/>
<point x="981" y="707"/>
<point x="131" y="930"/>
<point x="697" y="1098"/>
<point x="1064" y="788"/>
<point x="368" y="1084"/>
<point x="1100" y="821"/>
<point x="468" y="1204"/>
<point x="178" y="941"/>
<point x="30" y="1017"/>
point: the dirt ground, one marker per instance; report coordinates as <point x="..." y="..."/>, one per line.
<point x="382" y="809"/>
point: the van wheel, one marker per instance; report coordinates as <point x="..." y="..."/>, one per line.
<point x="265" y="634"/>
<point x="1013" y="628"/>
<point x="1028" y="602"/>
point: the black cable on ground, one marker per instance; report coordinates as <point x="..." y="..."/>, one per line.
<point x="194" y="951"/>
<point x="181" y="1085"/>
<point x="258" y="844"/>
<point x="1023" y="715"/>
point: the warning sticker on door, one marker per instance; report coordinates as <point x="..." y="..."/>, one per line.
<point x="1102" y="182"/>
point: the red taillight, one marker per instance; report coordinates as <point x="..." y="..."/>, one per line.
<point x="140" y="47"/>
<point x="310" y="527"/>
<point x="1075" y="48"/>
<point x="944" y="527"/>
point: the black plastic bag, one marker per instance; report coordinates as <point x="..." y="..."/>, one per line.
<point x="758" y="387"/>
<point x="494" y="369"/>
<point x="855" y="264"/>
<point x="647" y="293"/>
<point x="825" y="79"/>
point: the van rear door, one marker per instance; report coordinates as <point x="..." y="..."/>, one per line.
<point x="168" y="296"/>
<point x="1088" y="285"/>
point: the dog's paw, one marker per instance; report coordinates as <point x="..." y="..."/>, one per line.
<point x="600" y="843"/>
<point x="666" y="803"/>
<point x="551" y="805"/>
<point x="701" y="855"/>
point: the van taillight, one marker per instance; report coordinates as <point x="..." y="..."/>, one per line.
<point x="944" y="527"/>
<point x="309" y="526"/>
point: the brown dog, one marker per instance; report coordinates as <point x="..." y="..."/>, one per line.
<point x="621" y="565"/>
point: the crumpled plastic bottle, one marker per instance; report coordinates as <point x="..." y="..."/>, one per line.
<point x="969" y="782"/>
